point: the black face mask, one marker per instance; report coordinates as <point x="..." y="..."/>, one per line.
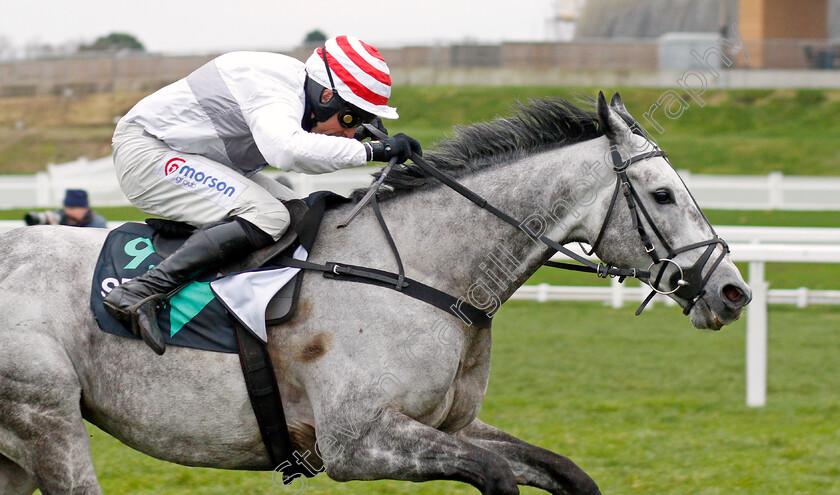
<point x="317" y="111"/>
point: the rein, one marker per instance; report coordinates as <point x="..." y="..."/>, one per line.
<point x="601" y="269"/>
<point x="687" y="283"/>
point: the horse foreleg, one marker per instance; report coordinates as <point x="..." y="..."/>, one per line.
<point x="395" y="446"/>
<point x="533" y="466"/>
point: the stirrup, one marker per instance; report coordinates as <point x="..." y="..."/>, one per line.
<point x="144" y="322"/>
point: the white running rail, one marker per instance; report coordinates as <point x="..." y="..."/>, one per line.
<point x="730" y="192"/>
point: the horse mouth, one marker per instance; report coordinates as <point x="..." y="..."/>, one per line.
<point x="704" y="317"/>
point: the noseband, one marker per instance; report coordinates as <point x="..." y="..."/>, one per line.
<point x="685" y="283"/>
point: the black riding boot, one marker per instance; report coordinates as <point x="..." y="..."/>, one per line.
<point x="138" y="300"/>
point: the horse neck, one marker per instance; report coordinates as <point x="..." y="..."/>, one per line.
<point x="458" y="247"/>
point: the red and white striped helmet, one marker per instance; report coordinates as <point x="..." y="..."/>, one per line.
<point x="359" y="72"/>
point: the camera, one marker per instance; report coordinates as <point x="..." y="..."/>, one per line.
<point x="42" y="217"/>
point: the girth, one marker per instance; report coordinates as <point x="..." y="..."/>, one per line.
<point x="458" y="307"/>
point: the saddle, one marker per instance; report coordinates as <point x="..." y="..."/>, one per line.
<point x="170" y="235"/>
<point x="195" y="316"/>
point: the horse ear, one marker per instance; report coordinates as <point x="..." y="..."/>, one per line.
<point x="613" y="126"/>
<point x="603" y="113"/>
<point x="618" y="105"/>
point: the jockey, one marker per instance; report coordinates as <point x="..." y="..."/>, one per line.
<point x="192" y="151"/>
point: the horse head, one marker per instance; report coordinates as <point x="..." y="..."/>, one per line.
<point x="653" y="224"/>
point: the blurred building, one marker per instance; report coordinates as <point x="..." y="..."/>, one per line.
<point x="593" y="42"/>
<point x="771" y="27"/>
<point x="564" y="18"/>
<point x="778" y="33"/>
<point x="653" y="18"/>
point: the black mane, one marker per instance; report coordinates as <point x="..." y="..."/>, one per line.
<point x="541" y="125"/>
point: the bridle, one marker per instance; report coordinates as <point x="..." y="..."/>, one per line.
<point x="687" y="283"/>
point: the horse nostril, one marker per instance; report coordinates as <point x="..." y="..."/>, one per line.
<point x="733" y="293"/>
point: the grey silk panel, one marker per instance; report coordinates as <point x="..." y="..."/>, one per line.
<point x="219" y="104"/>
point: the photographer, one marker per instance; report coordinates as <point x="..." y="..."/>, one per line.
<point x="76" y="212"/>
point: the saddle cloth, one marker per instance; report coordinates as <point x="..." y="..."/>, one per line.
<point x="255" y="290"/>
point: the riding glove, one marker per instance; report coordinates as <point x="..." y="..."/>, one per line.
<point x="400" y="146"/>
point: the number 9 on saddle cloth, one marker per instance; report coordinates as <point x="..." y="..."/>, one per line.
<point x="201" y="314"/>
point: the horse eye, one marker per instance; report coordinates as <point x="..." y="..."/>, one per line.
<point x="663" y="196"/>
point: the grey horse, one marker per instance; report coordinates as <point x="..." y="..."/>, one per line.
<point x="375" y="385"/>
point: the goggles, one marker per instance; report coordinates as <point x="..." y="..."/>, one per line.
<point x="351" y="117"/>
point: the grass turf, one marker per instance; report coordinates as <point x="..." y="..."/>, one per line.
<point x="749" y="132"/>
<point x="735" y="132"/>
<point x="644" y="405"/>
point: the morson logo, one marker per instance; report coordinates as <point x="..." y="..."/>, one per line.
<point x="198" y="177"/>
<point x="203" y="179"/>
<point x="172" y="165"/>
